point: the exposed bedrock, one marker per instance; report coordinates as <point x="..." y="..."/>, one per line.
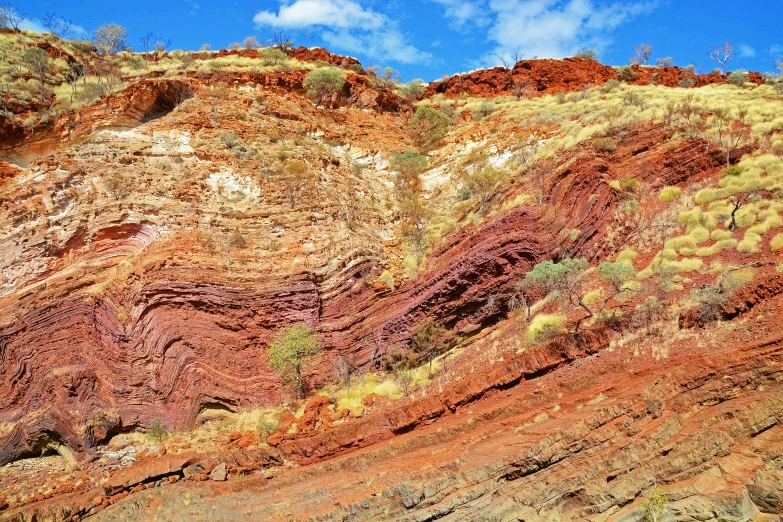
<point x="539" y="77"/>
<point x="175" y="342"/>
<point x="141" y="102"/>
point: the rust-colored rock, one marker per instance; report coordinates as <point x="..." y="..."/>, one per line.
<point x="529" y="78"/>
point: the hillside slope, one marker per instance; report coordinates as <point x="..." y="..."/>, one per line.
<point x="158" y="238"/>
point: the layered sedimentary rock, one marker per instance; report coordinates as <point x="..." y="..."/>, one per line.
<point x="88" y="331"/>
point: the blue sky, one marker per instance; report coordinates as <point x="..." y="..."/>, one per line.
<point x="431" y="38"/>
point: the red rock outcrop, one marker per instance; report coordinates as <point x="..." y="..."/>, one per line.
<point x="168" y="349"/>
<point x="539" y="77"/>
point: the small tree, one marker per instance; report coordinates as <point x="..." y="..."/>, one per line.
<point x="37" y="62"/>
<point x="732" y="133"/>
<point x="297" y="179"/>
<point x="738" y="77"/>
<point x="655" y="505"/>
<point x="414" y="214"/>
<point x="642" y="54"/>
<point x="148" y="41"/>
<point x="251" y="43"/>
<point x="157" y="430"/>
<point x="290" y="350"/>
<point x="57" y="26"/>
<point x="626" y="74"/>
<point x="10" y="18"/>
<point x="779" y="65"/>
<point x="566" y="281"/>
<point x="586" y="54"/>
<point x="413" y="90"/>
<point x="281" y="40"/>
<point x="214" y="95"/>
<point x="272" y="55"/>
<point x="110" y="38"/>
<point x="647" y="313"/>
<point x="722" y="54"/>
<point x="108" y="75"/>
<point x="386" y="78"/>
<point x="481" y="184"/>
<point x="663" y="62"/>
<point x="428" y="126"/>
<point x="324" y="81"/>
<point x="737" y="201"/>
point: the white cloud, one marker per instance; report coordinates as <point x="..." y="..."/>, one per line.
<point x="32" y="25"/>
<point x="776" y="49"/>
<point x="554" y="29"/>
<point x="543" y="28"/>
<point x="329" y="13"/>
<point x="464" y="13"/>
<point x="746" y="51"/>
<point x="347" y="26"/>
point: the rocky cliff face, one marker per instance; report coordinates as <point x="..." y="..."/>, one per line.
<point x="153" y="243"/>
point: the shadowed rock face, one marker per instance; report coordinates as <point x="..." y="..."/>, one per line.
<point x="142" y="102"/>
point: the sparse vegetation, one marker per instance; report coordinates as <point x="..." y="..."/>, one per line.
<point x="722" y="54"/>
<point x="626" y="74"/>
<point x="429" y="126"/>
<point x="323" y="82"/>
<point x="642" y="54"/>
<point x="157" y="430"/>
<point x="586" y="54"/>
<point x="110" y="38"/>
<point x="291" y="349"/>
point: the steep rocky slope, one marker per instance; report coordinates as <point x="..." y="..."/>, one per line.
<point x="156" y="240"/>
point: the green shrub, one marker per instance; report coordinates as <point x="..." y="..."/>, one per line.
<point x="669" y="193"/>
<point x="626" y="74"/>
<point x="605" y="145"/>
<point x="609" y="86"/>
<point x="290" y="349"/>
<point x="663" y="62"/>
<point x="387" y="278"/>
<point x="157" y="430"/>
<point x="323" y="82"/>
<point x="272" y="55"/>
<point x="186" y="60"/>
<point x="357" y="68"/>
<point x="544" y="327"/>
<point x="266" y="426"/>
<point x="632" y="98"/>
<point x="776" y="243"/>
<point x="428" y="126"/>
<point x="738" y="77"/>
<point x="586" y="54"/>
<point x="413" y="90"/>
<point x="735" y="170"/>
<point x="687" y="83"/>
<point x="251" y="43"/>
<point x="483" y="110"/>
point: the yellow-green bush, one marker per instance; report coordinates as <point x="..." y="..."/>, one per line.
<point x="543" y="322"/>
<point x="669" y="193"/>
<point x="708" y="195"/>
<point x="627" y="256"/>
<point x="749" y="243"/>
<point x="720" y="234"/>
<point x="716" y="248"/>
<point x="776" y="242"/>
